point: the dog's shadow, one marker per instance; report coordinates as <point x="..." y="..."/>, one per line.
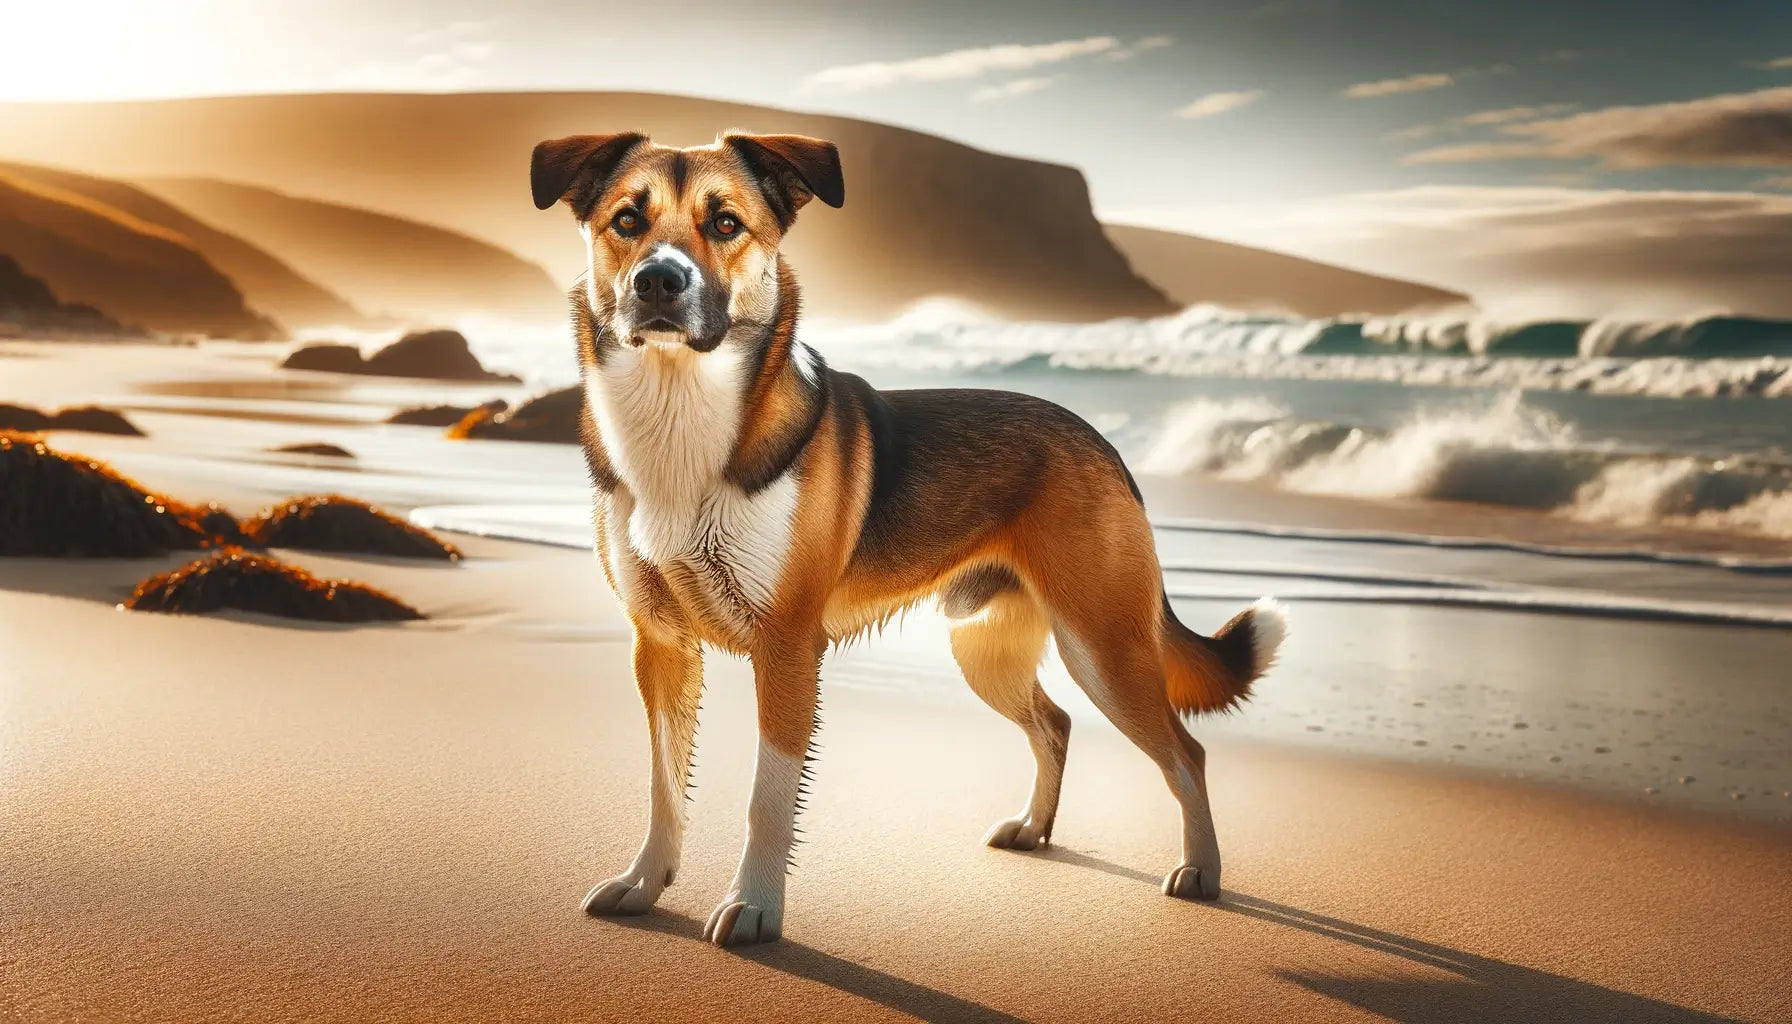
<point x="1482" y="989"/>
<point x="802" y="961"/>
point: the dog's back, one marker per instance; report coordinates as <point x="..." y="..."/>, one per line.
<point x="753" y="499"/>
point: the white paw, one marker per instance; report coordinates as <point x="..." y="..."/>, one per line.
<point x="1193" y="882"/>
<point x="625" y="894"/>
<point x="1014" y="834"/>
<point x="736" y="922"/>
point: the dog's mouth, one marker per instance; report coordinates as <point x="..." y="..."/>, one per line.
<point x="658" y="331"/>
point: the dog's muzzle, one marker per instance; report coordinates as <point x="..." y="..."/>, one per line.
<point x="662" y="306"/>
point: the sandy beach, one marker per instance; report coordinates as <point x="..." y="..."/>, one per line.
<point x="245" y="818"/>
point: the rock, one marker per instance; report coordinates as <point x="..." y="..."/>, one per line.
<point x="236" y="579"/>
<point x="314" y="448"/>
<point x="431" y="355"/>
<point x="22" y="418"/>
<point x="331" y="522"/>
<point x="93" y="419"/>
<point x="326" y="356"/>
<point x="90" y="419"/>
<point x="553" y="417"/>
<point x="442" y="415"/>
<point x="438" y="355"/>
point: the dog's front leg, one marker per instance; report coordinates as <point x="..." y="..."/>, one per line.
<point x="786" y="679"/>
<point x="669" y="672"/>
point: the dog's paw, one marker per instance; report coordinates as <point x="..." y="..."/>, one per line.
<point x="1014" y="834"/>
<point x="1189" y="882"/>
<point x="736" y="923"/>
<point x="622" y="895"/>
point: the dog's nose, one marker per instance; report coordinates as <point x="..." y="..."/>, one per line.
<point x="661" y="280"/>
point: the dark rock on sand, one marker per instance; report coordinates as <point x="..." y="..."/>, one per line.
<point x="326" y="356"/>
<point x="53" y="504"/>
<point x="443" y="415"/>
<point x="553" y="417"/>
<point x="442" y="355"/>
<point x="331" y="522"/>
<point x="314" y="448"/>
<point x="236" y="579"/>
<point x="433" y="355"/>
<point x="91" y="419"/>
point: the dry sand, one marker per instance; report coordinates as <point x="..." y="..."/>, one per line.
<point x="233" y="819"/>
<point x="244" y="819"/>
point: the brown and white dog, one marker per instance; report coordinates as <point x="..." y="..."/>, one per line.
<point x="751" y="498"/>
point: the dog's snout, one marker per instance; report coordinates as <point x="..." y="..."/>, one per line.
<point x="661" y="280"/>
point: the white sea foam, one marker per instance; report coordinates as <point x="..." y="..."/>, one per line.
<point x="1711" y="355"/>
<point x="1504" y="454"/>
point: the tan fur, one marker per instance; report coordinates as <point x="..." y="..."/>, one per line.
<point x="1070" y="552"/>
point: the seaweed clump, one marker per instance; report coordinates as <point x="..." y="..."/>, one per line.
<point x="53" y="504"/>
<point x="331" y="522"/>
<point x="236" y="579"/>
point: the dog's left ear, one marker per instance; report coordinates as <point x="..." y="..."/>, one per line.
<point x="560" y="165"/>
<point x="791" y="170"/>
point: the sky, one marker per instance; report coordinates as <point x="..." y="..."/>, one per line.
<point x="1502" y="144"/>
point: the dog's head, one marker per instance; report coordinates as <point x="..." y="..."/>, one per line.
<point x="683" y="243"/>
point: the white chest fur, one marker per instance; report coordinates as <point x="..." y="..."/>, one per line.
<point x="668" y="418"/>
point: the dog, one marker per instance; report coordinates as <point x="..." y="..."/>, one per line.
<point x="751" y="498"/>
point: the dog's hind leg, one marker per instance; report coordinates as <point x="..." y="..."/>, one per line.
<point x="1121" y="670"/>
<point x="669" y="673"/>
<point x="998" y="645"/>
<point x="1107" y="612"/>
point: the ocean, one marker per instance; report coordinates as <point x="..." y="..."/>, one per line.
<point x="1681" y="425"/>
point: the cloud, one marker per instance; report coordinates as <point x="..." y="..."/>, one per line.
<point x="1395" y="86"/>
<point x="1010" y="89"/>
<point x="1506" y="115"/>
<point x="1779" y="182"/>
<point x="441" y="58"/>
<point x="1548" y="251"/>
<point x="1779" y="64"/>
<point x="1752" y="129"/>
<point x="1218" y="103"/>
<point x="960" y="64"/>
<point x="1141" y="46"/>
<point x="1480" y="119"/>
<point x="1417" y="131"/>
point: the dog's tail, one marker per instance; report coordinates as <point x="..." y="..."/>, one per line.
<point x="1215" y="673"/>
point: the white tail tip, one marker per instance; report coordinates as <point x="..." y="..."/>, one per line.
<point x="1269" y="627"/>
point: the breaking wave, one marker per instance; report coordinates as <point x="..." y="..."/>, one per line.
<point x="1507" y="454"/>
<point x="1708" y="355"/>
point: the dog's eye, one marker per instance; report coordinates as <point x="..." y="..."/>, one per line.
<point x="627" y="223"/>
<point x="725" y="225"/>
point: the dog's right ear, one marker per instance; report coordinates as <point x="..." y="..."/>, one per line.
<point x="576" y="163"/>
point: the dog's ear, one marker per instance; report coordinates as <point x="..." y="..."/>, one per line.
<point x="791" y="170"/>
<point x="559" y="166"/>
